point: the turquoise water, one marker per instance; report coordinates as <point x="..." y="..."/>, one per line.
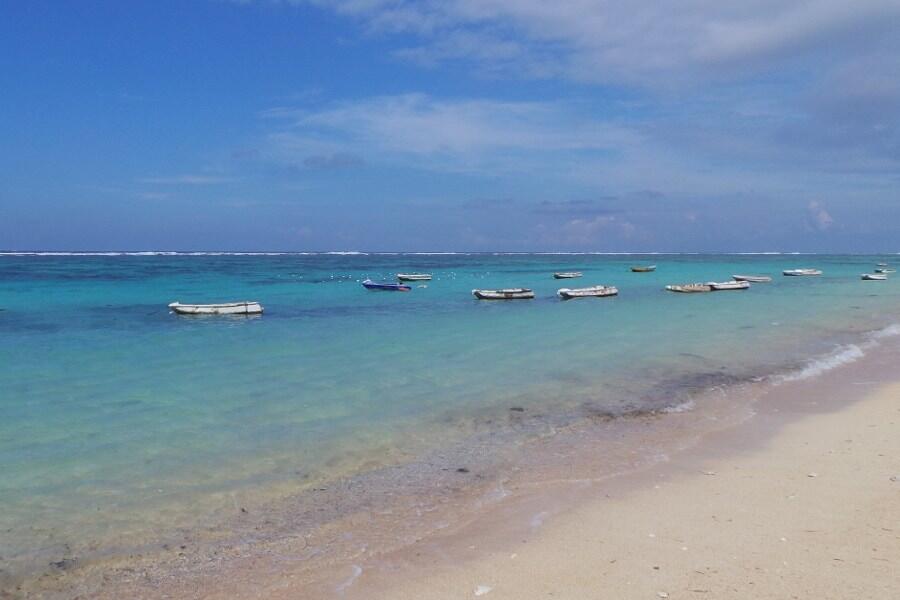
<point x="119" y="420"/>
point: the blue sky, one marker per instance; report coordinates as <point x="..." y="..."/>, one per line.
<point x="598" y="125"/>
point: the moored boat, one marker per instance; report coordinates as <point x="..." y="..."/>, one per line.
<point x="504" y="294"/>
<point x="721" y="286"/>
<point x="752" y="278"/>
<point x="596" y="291"/>
<point x="414" y="276"/>
<point x="801" y="272"/>
<point x="227" y="308"/>
<point x="881" y="265"/>
<point x="689" y="288"/>
<point x="567" y="275"/>
<point x="643" y="269"/>
<point x="884" y="270"/>
<point x="874" y="277"/>
<point x="386" y="286"/>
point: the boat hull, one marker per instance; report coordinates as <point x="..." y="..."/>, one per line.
<point x="413" y="276"/>
<point x="573" y="275"/>
<point x="729" y="285"/>
<point x="875" y="277"/>
<point x="230" y="308"/>
<point x="649" y="269"/>
<point x="690" y="288"/>
<point x="385" y="287"/>
<point x="599" y="291"/>
<point x="752" y="278"/>
<point x="507" y="294"/>
<point x="801" y="273"/>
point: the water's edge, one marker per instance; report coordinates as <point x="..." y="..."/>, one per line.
<point x="347" y="521"/>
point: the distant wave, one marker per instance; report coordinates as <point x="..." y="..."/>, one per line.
<point x="359" y="253"/>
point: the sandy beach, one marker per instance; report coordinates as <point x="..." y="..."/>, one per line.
<point x="812" y="512"/>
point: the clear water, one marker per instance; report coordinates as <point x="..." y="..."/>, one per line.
<point x="119" y="420"/>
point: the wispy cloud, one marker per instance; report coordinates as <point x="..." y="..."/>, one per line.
<point x="447" y="134"/>
<point x="818" y="218"/>
<point x="617" y="40"/>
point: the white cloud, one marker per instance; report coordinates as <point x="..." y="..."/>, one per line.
<point x="817" y="217"/>
<point x="620" y="40"/>
<point x="447" y="134"/>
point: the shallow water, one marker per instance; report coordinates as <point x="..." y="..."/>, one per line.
<point x="119" y="420"/>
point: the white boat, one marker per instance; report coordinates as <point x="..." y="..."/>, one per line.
<point x="720" y="286"/>
<point x="689" y="288"/>
<point x="567" y="275"/>
<point x="597" y="291"/>
<point x="881" y="265"/>
<point x="228" y="308"/>
<point x="414" y="276"/>
<point x="504" y="294"/>
<point x="874" y="277"/>
<point x="884" y="270"/>
<point x="801" y="272"/>
<point x="752" y="278"/>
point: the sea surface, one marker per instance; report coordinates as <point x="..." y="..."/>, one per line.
<point x="121" y="422"/>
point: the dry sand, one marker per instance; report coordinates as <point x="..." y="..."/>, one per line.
<point x="812" y="511"/>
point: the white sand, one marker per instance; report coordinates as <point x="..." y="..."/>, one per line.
<point x="811" y="513"/>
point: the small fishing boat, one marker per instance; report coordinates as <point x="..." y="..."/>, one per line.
<point x="386" y="286"/>
<point x="721" y="286"/>
<point x="414" y="276"/>
<point x="228" y="308"/>
<point x="690" y="288"/>
<point x="752" y="278"/>
<point x="881" y="265"/>
<point x="643" y="269"/>
<point x="874" y="277"/>
<point x="504" y="294"/>
<point x="884" y="270"/>
<point x="567" y="275"/>
<point x="596" y="291"/>
<point x="801" y="272"/>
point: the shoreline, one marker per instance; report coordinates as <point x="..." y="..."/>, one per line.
<point x="464" y="513"/>
<point x="799" y="501"/>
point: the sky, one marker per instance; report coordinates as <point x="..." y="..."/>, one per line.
<point x="451" y="125"/>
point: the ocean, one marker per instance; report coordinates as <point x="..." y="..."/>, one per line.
<point x="124" y="426"/>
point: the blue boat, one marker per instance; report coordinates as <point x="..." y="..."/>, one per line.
<point x="385" y="286"/>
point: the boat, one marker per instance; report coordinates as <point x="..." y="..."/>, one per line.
<point x="881" y="265"/>
<point x="884" y="270"/>
<point x="874" y="277"/>
<point x="596" y="291"/>
<point x="801" y="272"/>
<point x="752" y="278"/>
<point x="228" y="308"/>
<point x="690" y="288"/>
<point x="414" y="276"/>
<point x="721" y="286"/>
<point x="504" y="294"/>
<point x="567" y="275"/>
<point x="644" y="269"/>
<point x="387" y="286"/>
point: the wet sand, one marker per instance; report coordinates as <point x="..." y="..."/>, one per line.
<point x="802" y="501"/>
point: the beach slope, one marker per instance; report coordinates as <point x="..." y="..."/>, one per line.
<point x="811" y="512"/>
